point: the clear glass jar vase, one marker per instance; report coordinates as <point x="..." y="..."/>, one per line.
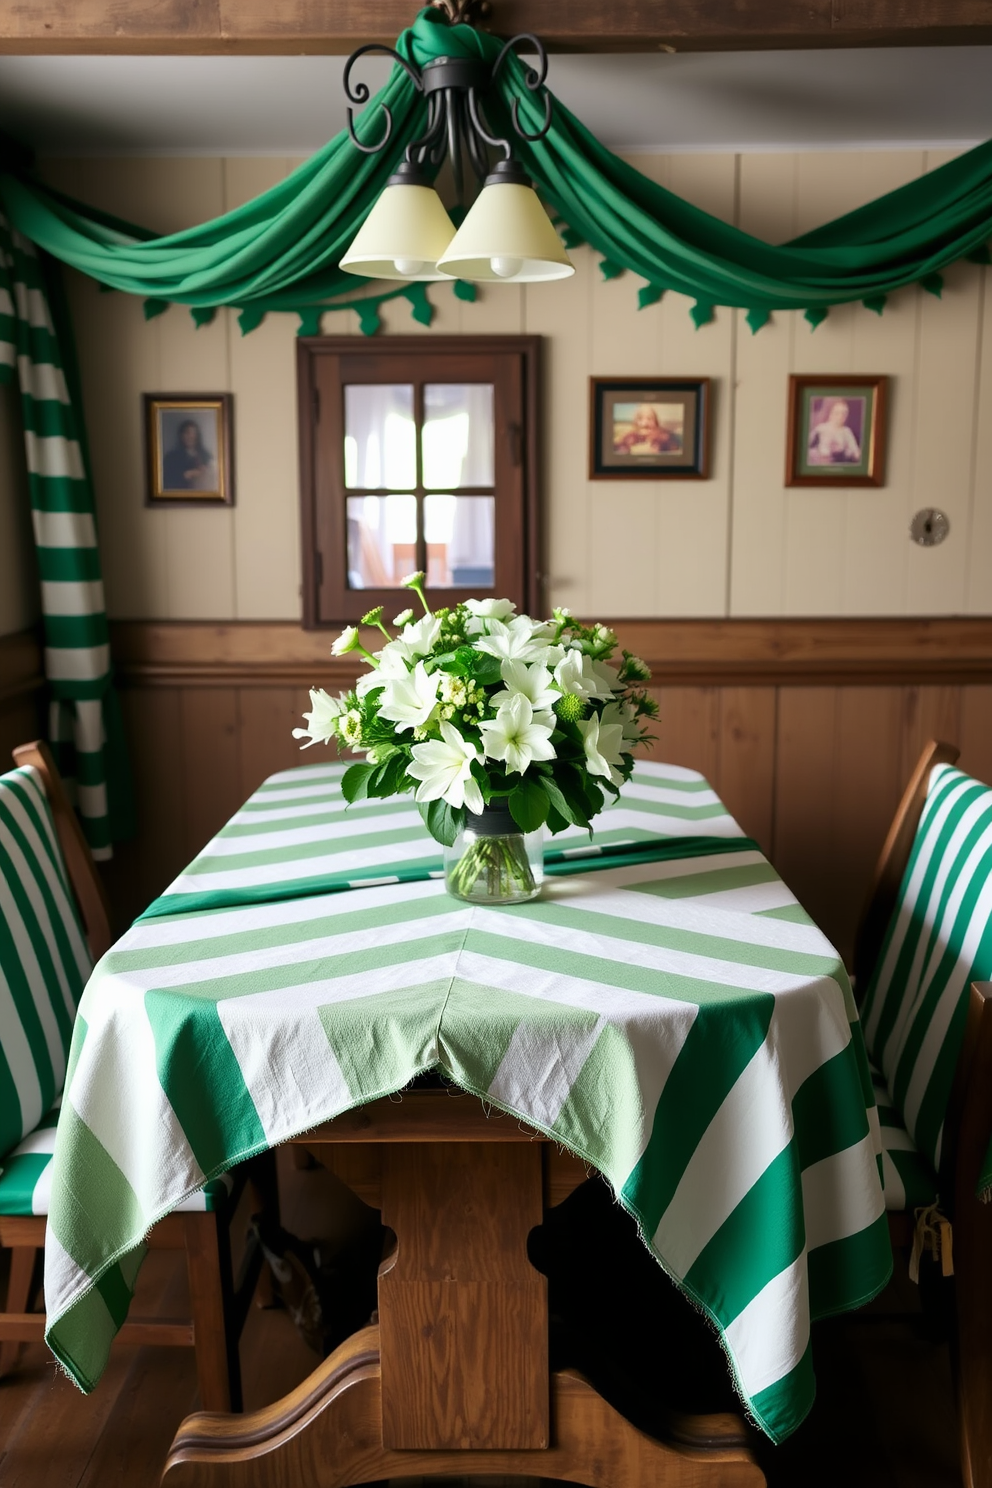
<point x="493" y="862"/>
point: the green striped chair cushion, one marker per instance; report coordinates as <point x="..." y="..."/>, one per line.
<point x="44" y="959"/>
<point x="908" y="1181"/>
<point x="26" y="1176"/>
<point x="938" y="941"/>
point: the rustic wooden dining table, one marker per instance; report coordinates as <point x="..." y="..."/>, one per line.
<point x="665" y="1013"/>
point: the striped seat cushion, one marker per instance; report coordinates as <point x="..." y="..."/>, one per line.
<point x="26" y="1176"/>
<point x="908" y="1181"/>
<point x="938" y="941"/>
<point x="44" y="959"/>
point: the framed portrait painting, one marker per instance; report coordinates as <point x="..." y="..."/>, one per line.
<point x="836" y="431"/>
<point x="651" y="428"/>
<point x="188" y="448"/>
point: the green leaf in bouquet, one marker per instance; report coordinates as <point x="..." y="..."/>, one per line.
<point x="484" y="668"/>
<point x="443" y="822"/>
<point x="571" y="782"/>
<point x="447" y="662"/>
<point x="355" y="782"/>
<point x="528" y="805"/>
<point x="386" y="779"/>
<point x="593" y="795"/>
<point x="560" y="804"/>
<point x="555" y="823"/>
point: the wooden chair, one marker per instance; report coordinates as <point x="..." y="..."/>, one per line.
<point x="965" y="1139"/>
<point x="218" y="1306"/>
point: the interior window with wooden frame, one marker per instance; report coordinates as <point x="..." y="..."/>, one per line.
<point x="417" y="452"/>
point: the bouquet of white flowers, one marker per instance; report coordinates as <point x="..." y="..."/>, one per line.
<point x="482" y="712"/>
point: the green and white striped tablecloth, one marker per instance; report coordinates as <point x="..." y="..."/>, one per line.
<point x="297" y="835"/>
<point x="680" y="1024"/>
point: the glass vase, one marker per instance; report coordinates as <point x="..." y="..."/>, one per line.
<point x="493" y="862"/>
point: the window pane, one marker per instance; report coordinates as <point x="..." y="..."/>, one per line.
<point x="382" y="540"/>
<point x="380" y="439"/>
<point x="458" y="435"/>
<point x="459" y="533"/>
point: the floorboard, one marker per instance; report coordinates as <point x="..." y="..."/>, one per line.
<point x="884" y="1414"/>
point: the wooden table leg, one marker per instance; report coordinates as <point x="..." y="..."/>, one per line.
<point x="454" y="1380"/>
<point x="327" y="1433"/>
<point x="463" y="1315"/>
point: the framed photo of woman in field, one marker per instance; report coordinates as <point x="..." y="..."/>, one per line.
<point x="188" y="449"/>
<point x="652" y="428"/>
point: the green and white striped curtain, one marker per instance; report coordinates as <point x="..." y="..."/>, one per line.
<point x="77" y="651"/>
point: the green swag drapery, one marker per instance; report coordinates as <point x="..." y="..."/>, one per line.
<point x="281" y="251"/>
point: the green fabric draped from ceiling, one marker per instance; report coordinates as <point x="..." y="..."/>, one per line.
<point x="281" y="250"/>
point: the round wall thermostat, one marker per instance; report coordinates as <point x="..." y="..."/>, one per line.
<point x="929" y="527"/>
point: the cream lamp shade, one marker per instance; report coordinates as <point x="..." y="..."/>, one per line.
<point x="405" y="233"/>
<point x="507" y="236"/>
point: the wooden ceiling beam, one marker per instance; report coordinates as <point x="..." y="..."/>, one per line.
<point x="205" y="27"/>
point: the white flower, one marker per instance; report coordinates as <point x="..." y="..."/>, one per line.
<point x="346" y="641"/>
<point x="351" y="727"/>
<point x="321" y="720"/>
<point x="393" y="666"/>
<point x="419" y="639"/>
<point x="517" y="736"/>
<point x="626" y="715"/>
<point x="403" y="618"/>
<point x="533" y="682"/>
<point x="602" y="745"/>
<point x="579" y="674"/>
<point x="413" y="581"/>
<point x="522" y="640"/>
<point x="607" y="678"/>
<point x="490" y="609"/>
<point x="444" y="768"/>
<point x="409" y="701"/>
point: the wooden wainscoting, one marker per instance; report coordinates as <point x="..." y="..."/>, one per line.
<point x="808" y="730"/>
<point x="22" y="692"/>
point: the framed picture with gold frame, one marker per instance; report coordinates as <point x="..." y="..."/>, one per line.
<point x="188" y="449"/>
<point x="836" y="431"/>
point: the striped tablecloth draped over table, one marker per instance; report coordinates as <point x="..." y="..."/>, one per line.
<point x="297" y="835"/>
<point x="679" y="1023"/>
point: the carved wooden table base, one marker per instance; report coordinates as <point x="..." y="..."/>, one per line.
<point x="454" y="1380"/>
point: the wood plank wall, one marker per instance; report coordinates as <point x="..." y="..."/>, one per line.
<point x="808" y="729"/>
<point x="738" y="544"/>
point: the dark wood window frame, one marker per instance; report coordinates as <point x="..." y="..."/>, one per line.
<point x="323" y="494"/>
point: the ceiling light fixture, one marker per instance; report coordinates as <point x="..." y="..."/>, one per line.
<point x="506" y="237"/>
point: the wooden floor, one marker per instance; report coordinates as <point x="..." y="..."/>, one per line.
<point x="884" y="1413"/>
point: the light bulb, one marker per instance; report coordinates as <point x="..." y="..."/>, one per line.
<point x="409" y="267"/>
<point x="506" y="268"/>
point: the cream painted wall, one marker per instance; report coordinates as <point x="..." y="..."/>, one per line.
<point x="18" y="571"/>
<point x="740" y="543"/>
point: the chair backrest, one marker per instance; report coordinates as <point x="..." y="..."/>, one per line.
<point x="44" y="957"/>
<point x="84" y="878"/>
<point x="892" y="860"/>
<point x="938" y="941"/>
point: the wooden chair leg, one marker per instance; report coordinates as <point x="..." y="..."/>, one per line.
<point x="208" y="1260"/>
<point x="263" y="1188"/>
<point x="22" y="1259"/>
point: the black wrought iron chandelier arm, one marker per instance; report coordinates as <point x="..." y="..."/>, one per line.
<point x="431" y="144"/>
<point x="481" y="126"/>
<point x="358" y="93"/>
<point x="534" y="79"/>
